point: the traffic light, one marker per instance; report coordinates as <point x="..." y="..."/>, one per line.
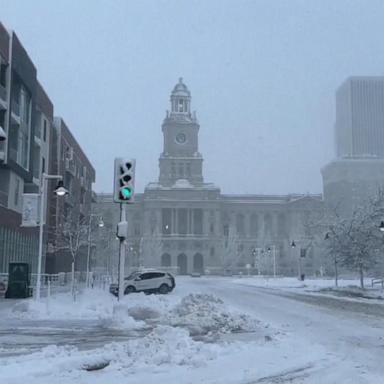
<point x="124" y="180"/>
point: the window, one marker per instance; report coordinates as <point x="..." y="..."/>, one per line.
<point x="198" y="221"/>
<point x="2" y="118"/>
<point x="17" y="192"/>
<point x="181" y="170"/>
<point x="281" y="224"/>
<point x="148" y="275"/>
<point x="82" y="196"/>
<point x="43" y="165"/>
<point x="45" y="131"/>
<point x="182" y="221"/>
<point x="226" y="230"/>
<point x="240" y="224"/>
<point x="254" y="225"/>
<point x="166" y="214"/>
<point x="3" y="75"/>
<point x="268" y="224"/>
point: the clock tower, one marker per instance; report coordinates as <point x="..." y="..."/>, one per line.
<point x="180" y="162"/>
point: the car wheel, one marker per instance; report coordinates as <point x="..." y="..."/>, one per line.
<point x="164" y="289"/>
<point x="129" y="290"/>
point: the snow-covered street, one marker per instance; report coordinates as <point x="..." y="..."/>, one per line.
<point x="209" y="330"/>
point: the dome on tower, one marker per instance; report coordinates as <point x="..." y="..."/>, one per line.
<point x="181" y="89"/>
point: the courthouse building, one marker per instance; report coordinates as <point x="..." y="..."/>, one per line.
<point x="186" y="224"/>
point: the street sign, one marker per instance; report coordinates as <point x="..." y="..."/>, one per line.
<point x="30" y="217"/>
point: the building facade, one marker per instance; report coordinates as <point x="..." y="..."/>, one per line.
<point x="70" y="161"/>
<point x="359" y="126"/>
<point x="36" y="143"/>
<point x="18" y="103"/>
<point x="357" y="172"/>
<point x="187" y="225"/>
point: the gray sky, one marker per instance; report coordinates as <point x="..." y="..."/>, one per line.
<point x="262" y="75"/>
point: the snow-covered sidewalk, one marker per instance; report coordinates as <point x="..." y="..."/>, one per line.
<point x="347" y="288"/>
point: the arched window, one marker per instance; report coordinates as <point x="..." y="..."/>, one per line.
<point x="165" y="260"/>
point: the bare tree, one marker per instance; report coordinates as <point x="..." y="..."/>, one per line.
<point x="73" y="236"/>
<point x="231" y="254"/>
<point x="356" y="241"/>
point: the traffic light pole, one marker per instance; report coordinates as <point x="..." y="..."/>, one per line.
<point x="121" y="255"/>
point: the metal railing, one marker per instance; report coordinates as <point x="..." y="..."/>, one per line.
<point x="378" y="281"/>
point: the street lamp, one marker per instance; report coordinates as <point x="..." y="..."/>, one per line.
<point x="293" y="245"/>
<point x="59" y="191"/>
<point x="100" y="225"/>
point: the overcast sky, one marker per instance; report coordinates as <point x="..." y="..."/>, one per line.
<point x="262" y="74"/>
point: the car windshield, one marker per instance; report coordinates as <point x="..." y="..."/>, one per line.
<point x="192" y="191"/>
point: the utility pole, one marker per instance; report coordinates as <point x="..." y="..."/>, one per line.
<point x="122" y="230"/>
<point x="59" y="191"/>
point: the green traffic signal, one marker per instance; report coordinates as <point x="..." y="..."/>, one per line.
<point x="126" y="192"/>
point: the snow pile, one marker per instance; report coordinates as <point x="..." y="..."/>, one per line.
<point x="92" y="304"/>
<point x="201" y="314"/>
<point x="204" y="314"/>
<point x="164" y="345"/>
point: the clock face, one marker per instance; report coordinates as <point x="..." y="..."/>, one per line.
<point x="181" y="138"/>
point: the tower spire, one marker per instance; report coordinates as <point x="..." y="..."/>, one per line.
<point x="181" y="100"/>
